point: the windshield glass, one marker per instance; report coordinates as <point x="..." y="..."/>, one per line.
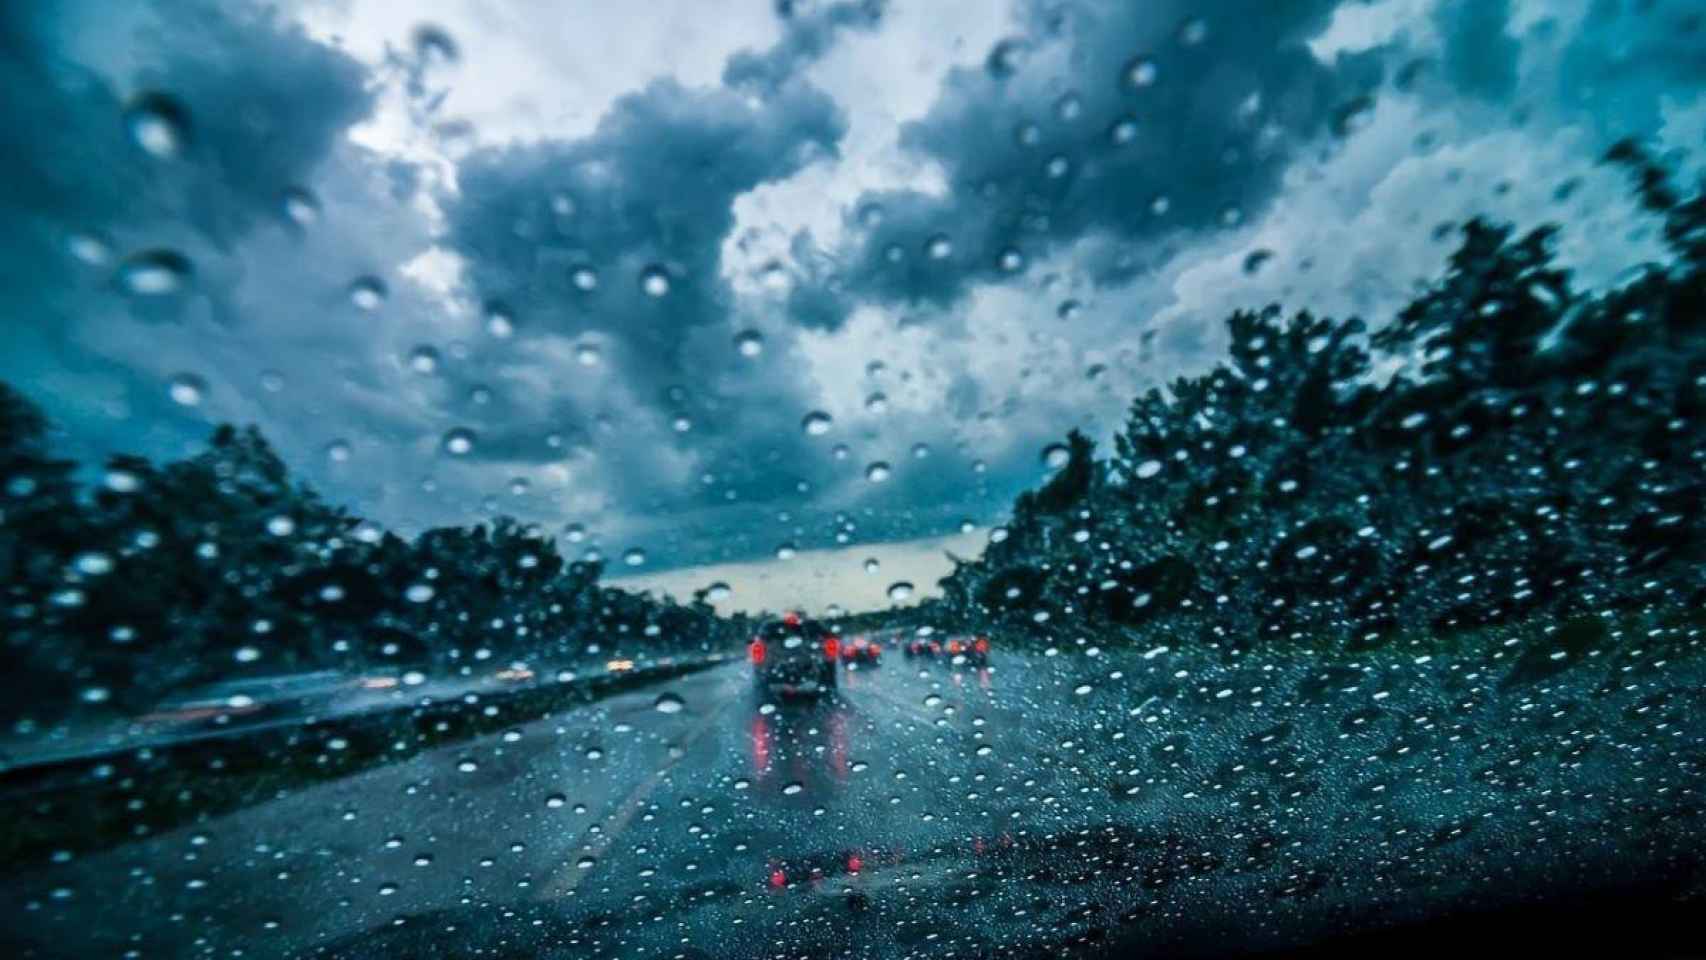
<point x="852" y="478"/>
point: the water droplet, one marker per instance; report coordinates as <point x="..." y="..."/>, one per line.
<point x="585" y="279"/>
<point x="1007" y="57"/>
<point x="467" y="765"/>
<point x="793" y="788"/>
<point x="586" y="863"/>
<point x="668" y="703"/>
<point x="459" y="442"/>
<point x="1193" y="31"/>
<point x="871" y="565"/>
<point x="841" y="451"/>
<point x="367" y="292"/>
<point x="878" y="472"/>
<point x="1122" y="132"/>
<point x="300" y="206"/>
<point x="900" y="590"/>
<point x="418" y="593"/>
<point x="816" y="423"/>
<point x="186" y="389"/>
<point x="877" y="403"/>
<point x="1141" y="72"/>
<point x="281" y="526"/>
<point x="158" y="124"/>
<point x="749" y="343"/>
<point x="155" y="273"/>
<point x="423" y="359"/>
<point x="1012" y="261"/>
<point x="920" y="451"/>
<point x="654" y="281"/>
<point x="939" y="247"/>
<point x="93" y="563"/>
<point x="338" y="451"/>
<point x="555" y="801"/>
<point x="88" y="248"/>
<point x="1148" y="468"/>
<point x="718" y="591"/>
<point x="786" y="551"/>
<point x="1056" y="455"/>
<point x="588" y="354"/>
<point x="500" y="322"/>
<point x="634" y="557"/>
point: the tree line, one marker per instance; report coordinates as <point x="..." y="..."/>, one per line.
<point x="1539" y="449"/>
<point x="155" y="578"/>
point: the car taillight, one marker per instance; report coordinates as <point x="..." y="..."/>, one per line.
<point x="982" y="645"/>
<point x="953" y="646"/>
<point x="755" y="650"/>
<point x="832" y="647"/>
<point x="854" y="864"/>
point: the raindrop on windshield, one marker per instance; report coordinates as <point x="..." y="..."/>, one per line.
<point x="158" y="124"/>
<point x="300" y="206"/>
<point x="654" y="281"/>
<point x="155" y="273"/>
<point x="367" y="293"/>
<point x="877" y="472"/>
<point x="187" y="389"/>
<point x="1141" y="72"/>
<point x="816" y="423"/>
<point x="900" y="590"/>
<point x="749" y="343"/>
<point x="459" y="442"/>
<point x="668" y="703"/>
<point x="423" y="359"/>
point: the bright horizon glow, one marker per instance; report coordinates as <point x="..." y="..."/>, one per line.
<point x="814" y="579"/>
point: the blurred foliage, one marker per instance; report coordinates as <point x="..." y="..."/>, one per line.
<point x="1506" y="446"/>
<point x="165" y="577"/>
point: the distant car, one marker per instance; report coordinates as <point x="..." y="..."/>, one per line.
<point x="794" y="655"/>
<point x="970" y="651"/>
<point x="922" y="647"/>
<point x="861" y="650"/>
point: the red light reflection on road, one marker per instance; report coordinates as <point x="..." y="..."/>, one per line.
<point x="760" y="745"/>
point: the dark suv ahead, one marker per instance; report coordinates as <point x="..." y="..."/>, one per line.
<point x="794" y="655"/>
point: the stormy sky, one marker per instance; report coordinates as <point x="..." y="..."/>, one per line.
<point x="705" y="283"/>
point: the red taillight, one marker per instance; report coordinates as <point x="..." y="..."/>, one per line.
<point x="832" y="647"/>
<point x="982" y="645"/>
<point x="953" y="646"/>
<point x="778" y="878"/>
<point x="854" y="864"/>
<point x="755" y="650"/>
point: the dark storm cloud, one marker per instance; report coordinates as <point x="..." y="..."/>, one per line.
<point x="258" y="107"/>
<point x="568" y="236"/>
<point x="1036" y="157"/>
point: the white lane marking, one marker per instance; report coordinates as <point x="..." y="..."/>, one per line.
<point x="615" y="824"/>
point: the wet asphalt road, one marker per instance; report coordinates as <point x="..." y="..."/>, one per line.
<point x="933" y="810"/>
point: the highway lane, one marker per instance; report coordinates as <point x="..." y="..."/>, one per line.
<point x="932" y="810"/>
